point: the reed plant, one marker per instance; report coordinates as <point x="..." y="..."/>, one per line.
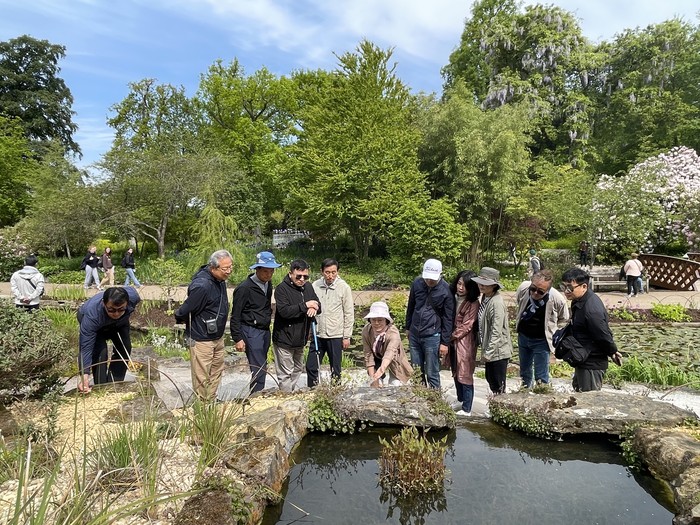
<point x="410" y="463"/>
<point x="662" y="374"/>
<point x="209" y="425"/>
<point x="66" y="293"/>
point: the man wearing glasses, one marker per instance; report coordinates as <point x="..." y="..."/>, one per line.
<point x="105" y="316"/>
<point x="541" y="310"/>
<point x="296" y="306"/>
<point x="589" y="324"/>
<point x="204" y="313"/>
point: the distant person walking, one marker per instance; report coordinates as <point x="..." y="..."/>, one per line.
<point x="130" y="267"/>
<point x="108" y="267"/>
<point x="27" y="285"/>
<point x="633" y="270"/>
<point x="89" y="264"/>
<point x="583" y="249"/>
<point x="534" y="265"/>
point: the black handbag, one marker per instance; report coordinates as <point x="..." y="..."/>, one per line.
<point x="567" y="348"/>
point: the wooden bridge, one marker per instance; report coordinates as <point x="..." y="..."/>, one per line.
<point x="672" y="273"/>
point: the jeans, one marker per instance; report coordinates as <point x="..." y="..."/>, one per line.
<point x="465" y="394"/>
<point x="425" y="353"/>
<point x="334" y="349"/>
<point x="257" y="344"/>
<point x="91" y="276"/>
<point x="131" y="276"/>
<point x="534" y="350"/>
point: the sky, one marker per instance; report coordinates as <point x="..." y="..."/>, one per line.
<point x="111" y="44"/>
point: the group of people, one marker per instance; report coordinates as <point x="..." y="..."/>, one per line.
<point x="92" y="263"/>
<point x="445" y="325"/>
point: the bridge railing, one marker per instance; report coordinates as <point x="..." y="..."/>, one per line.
<point x="672" y="273"/>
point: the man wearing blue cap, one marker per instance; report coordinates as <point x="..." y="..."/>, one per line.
<point x="251" y="315"/>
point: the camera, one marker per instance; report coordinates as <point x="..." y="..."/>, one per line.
<point x="211" y="326"/>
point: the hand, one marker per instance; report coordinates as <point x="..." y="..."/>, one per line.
<point x="346" y="343"/>
<point x="240" y="346"/>
<point x="617" y="358"/>
<point x="378" y="374"/>
<point x="311" y="312"/>
<point x="443" y="351"/>
<point x="312" y="304"/>
<point x="84" y="384"/>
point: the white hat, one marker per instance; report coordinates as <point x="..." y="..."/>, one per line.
<point x="432" y="269"/>
<point x="379" y="309"/>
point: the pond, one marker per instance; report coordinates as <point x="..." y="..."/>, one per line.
<point x="496" y="476"/>
<point x="677" y="344"/>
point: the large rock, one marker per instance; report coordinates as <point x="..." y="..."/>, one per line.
<point x="674" y="456"/>
<point x="555" y="414"/>
<point x="399" y="406"/>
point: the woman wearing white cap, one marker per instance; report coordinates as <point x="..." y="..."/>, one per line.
<point x="384" y="352"/>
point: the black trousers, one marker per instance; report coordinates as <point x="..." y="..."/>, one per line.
<point x="496" y="375"/>
<point x="121" y="350"/>
<point x="257" y="345"/>
<point x="333" y="348"/>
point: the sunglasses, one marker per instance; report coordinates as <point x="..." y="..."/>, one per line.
<point x="567" y="288"/>
<point x="534" y="289"/>
<point x="301" y="277"/>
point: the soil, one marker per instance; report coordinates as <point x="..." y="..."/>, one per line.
<point x="155" y="315"/>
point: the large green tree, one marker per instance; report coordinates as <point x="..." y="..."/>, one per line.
<point x="356" y="161"/>
<point x="648" y="94"/>
<point x="16" y="164"/>
<point x="31" y="90"/>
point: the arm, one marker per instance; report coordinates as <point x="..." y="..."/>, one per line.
<point x="465" y="320"/>
<point x="391" y="350"/>
<point x="498" y="314"/>
<point x="447" y="318"/>
<point x="15" y="289"/>
<point x="410" y="307"/>
<point x="287" y="307"/>
<point x="599" y="330"/>
<point x="196" y="298"/>
<point x="348" y="316"/>
<point x="39" y="288"/>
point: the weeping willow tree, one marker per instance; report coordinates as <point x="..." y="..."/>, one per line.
<point x="215" y="231"/>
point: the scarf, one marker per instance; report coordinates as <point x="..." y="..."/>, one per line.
<point x="531" y="308"/>
<point x="378" y="345"/>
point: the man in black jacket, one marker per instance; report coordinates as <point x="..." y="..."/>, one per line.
<point x="296" y="306"/>
<point x="251" y="315"/>
<point x="429" y="321"/>
<point x="204" y="313"/>
<point x="589" y="326"/>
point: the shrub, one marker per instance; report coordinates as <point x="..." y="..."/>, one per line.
<point x="624" y="314"/>
<point x="12" y="253"/>
<point x="32" y="352"/>
<point x="324" y="415"/>
<point x="674" y="313"/>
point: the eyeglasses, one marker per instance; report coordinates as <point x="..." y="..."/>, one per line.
<point x="301" y="277"/>
<point x="115" y="310"/>
<point x="226" y="269"/>
<point x="567" y="288"/>
<point x="534" y="289"/>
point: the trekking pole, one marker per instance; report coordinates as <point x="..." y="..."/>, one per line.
<point x="318" y="359"/>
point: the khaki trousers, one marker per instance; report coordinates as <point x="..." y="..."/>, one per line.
<point x="207" y="361"/>
<point x="289" y="363"/>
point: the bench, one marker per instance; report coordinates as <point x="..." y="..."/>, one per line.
<point x="611" y="283"/>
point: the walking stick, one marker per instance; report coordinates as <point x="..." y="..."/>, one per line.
<point x="318" y="359"/>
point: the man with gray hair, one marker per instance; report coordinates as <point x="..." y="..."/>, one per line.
<point x="204" y="313"/>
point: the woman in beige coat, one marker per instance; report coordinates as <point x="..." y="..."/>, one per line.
<point x="384" y="352"/>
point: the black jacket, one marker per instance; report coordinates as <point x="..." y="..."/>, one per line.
<point x="590" y="327"/>
<point x="291" y="328"/>
<point x="251" y="306"/>
<point x="128" y="261"/>
<point x="430" y="310"/>
<point x="90" y="260"/>
<point x="206" y="299"/>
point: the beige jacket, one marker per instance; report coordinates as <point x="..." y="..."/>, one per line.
<point x="393" y="355"/>
<point x="337" y="309"/>
<point x="556" y="312"/>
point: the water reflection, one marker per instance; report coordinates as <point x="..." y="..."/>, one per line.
<point x="495" y="476"/>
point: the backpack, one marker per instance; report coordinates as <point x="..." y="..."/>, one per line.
<point x="99" y="262"/>
<point x="622" y="275"/>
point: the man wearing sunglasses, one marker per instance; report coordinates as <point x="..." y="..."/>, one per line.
<point x="541" y="310"/>
<point x="296" y="306"/>
<point x="105" y="316"/>
<point x="589" y="326"/>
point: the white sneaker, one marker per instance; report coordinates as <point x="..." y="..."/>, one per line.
<point x="462" y="413"/>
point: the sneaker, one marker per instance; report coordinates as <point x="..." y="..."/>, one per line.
<point x="462" y="413"/>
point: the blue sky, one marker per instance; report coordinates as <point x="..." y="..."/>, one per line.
<point x="109" y="44"/>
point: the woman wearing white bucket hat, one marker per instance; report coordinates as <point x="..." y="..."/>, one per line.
<point x="384" y="352"/>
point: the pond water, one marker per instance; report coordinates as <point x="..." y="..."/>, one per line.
<point x="496" y="476"/>
<point x="675" y="343"/>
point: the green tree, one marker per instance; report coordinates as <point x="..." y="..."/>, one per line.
<point x="156" y="168"/>
<point x="648" y="94"/>
<point x="16" y="165"/>
<point x="356" y="162"/>
<point x="249" y="118"/>
<point x="31" y="90"/>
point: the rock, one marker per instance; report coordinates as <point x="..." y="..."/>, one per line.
<point x="8" y="425"/>
<point x="400" y="406"/>
<point x="261" y="458"/>
<point x="213" y="507"/>
<point x="673" y="456"/>
<point x="286" y="420"/>
<point x="550" y="415"/>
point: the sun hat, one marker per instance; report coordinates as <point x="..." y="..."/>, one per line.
<point x="432" y="269"/>
<point x="488" y="277"/>
<point x="379" y="309"/>
<point x="265" y="260"/>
